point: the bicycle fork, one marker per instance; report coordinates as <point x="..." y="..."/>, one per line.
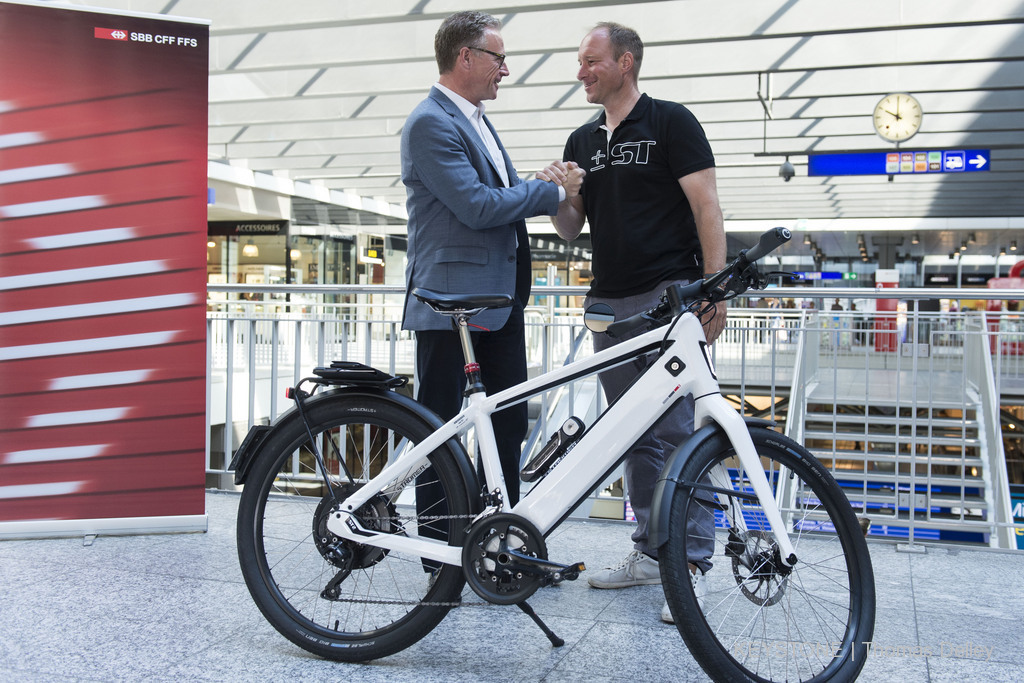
<point x="714" y="408"/>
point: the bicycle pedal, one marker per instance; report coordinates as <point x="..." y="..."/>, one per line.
<point x="572" y="572"/>
<point x="569" y="572"/>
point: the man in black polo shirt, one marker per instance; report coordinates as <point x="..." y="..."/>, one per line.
<point x="651" y="200"/>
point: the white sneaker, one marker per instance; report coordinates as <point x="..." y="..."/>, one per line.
<point x="700" y="589"/>
<point x="636" y="570"/>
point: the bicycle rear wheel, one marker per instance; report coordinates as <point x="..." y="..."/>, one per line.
<point x="338" y="599"/>
<point x="760" y="620"/>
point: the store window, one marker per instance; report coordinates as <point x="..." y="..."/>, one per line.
<point x="263" y="253"/>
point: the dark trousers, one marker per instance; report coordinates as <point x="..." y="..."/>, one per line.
<point x="646" y="459"/>
<point x="441" y="380"/>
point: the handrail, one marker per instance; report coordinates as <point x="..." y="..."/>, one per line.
<point x="915" y="293"/>
<point x="978" y="364"/>
<point x="254" y="353"/>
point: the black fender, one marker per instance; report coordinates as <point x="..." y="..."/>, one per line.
<point x="252" y="445"/>
<point x="664" y="490"/>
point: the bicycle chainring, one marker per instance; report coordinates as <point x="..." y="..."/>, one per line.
<point x="489" y="558"/>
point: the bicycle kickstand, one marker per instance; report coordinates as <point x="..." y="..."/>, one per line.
<point x="555" y="640"/>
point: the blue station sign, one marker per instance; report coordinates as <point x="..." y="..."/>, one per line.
<point x="899" y="162"/>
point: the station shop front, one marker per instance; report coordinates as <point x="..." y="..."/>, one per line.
<point x="279" y="253"/>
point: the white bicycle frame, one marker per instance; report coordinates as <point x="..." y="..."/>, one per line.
<point x="684" y="368"/>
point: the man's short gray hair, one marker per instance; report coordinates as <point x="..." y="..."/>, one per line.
<point x="462" y="29"/>
<point x="623" y="40"/>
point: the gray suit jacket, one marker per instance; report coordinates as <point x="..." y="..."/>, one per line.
<point x="463" y="222"/>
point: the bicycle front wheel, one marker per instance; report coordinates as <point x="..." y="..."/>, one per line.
<point x="754" y="618"/>
<point x="338" y="599"/>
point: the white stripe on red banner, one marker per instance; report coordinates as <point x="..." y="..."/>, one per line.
<point x="20" y="175"/>
<point x="49" y="206"/>
<point x="148" y="303"/>
<point x="79" y="346"/>
<point x="54" y="454"/>
<point x="77" y="417"/>
<point x="59" y="488"/>
<point x="19" y="139"/>
<point x="55" y="277"/>
<point x="100" y="379"/>
<point x="77" y="239"/>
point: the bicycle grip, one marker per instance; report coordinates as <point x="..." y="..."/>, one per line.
<point x="625" y="326"/>
<point x="768" y="242"/>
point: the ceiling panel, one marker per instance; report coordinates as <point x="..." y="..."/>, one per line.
<point x="318" y="90"/>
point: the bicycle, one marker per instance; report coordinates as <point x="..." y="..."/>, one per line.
<point x="340" y="561"/>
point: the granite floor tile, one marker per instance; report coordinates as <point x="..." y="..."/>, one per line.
<point x="173" y="607"/>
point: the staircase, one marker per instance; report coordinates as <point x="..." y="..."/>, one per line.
<point x="895" y="461"/>
<point x="911" y="435"/>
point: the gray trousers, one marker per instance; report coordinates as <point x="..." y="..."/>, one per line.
<point x="645" y="461"/>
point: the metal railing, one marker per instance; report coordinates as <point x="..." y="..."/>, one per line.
<point x="259" y="347"/>
<point x="910" y="429"/>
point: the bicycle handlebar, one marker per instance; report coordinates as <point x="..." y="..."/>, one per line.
<point x="769" y="241"/>
<point x="731" y="281"/>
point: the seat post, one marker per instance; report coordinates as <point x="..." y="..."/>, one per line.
<point x="472" y="368"/>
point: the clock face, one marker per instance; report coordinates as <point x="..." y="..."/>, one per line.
<point x="898" y="117"/>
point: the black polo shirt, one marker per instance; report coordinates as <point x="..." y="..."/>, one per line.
<point x="641" y="224"/>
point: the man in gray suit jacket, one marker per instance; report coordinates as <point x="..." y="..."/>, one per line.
<point x="467" y="231"/>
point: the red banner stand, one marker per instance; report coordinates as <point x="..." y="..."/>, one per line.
<point x="102" y="272"/>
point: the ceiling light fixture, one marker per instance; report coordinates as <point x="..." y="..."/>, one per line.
<point x="250" y="250"/>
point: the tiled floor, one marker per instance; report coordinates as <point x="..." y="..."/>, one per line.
<point x="174" y="608"/>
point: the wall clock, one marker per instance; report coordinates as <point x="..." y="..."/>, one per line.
<point x="898" y="117"/>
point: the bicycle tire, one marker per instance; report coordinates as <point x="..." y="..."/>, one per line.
<point x="756" y="623"/>
<point x="388" y="600"/>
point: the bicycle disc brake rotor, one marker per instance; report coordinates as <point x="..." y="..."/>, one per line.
<point x="756" y="567"/>
<point x="490" y="562"/>
<point x="377" y="515"/>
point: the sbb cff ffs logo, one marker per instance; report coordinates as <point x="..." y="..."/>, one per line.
<point x="138" y="37"/>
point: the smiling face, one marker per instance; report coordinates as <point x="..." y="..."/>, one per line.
<point x="486" y="72"/>
<point x="602" y="75"/>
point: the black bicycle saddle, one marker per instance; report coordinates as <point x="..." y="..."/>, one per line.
<point x="459" y="303"/>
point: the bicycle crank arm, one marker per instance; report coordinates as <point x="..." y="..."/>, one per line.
<point x="554" y="572"/>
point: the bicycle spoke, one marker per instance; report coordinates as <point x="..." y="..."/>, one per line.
<point x="759" y="616"/>
<point x="309" y="581"/>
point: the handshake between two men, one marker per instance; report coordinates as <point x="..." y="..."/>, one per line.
<point x="565" y="174"/>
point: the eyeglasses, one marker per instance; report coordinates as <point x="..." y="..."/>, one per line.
<point x="497" y="55"/>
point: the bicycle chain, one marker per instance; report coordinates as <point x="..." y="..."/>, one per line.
<point x="423" y="603"/>
<point x="417" y="518"/>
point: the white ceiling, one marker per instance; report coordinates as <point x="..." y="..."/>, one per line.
<point x="318" y="90"/>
